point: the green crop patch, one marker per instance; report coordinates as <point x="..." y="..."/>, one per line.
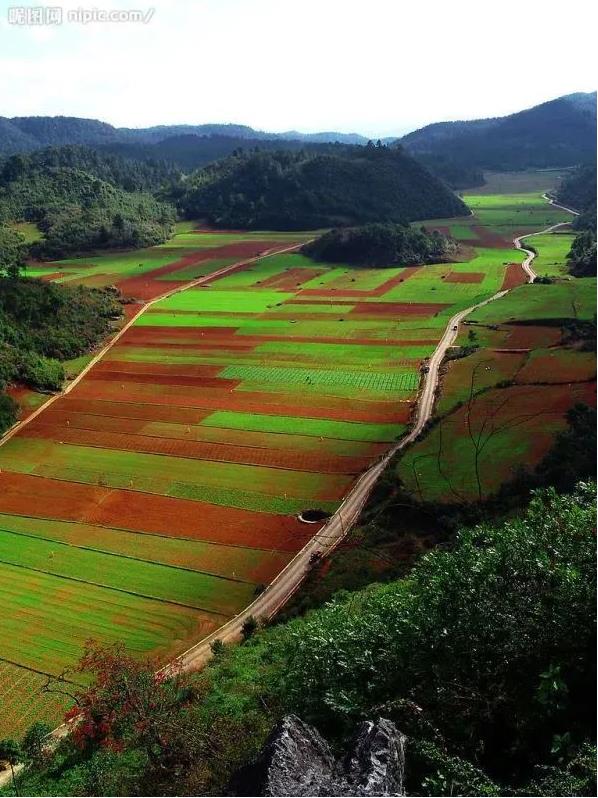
<point x="367" y="380"/>
<point x="198" y="300"/>
<point x="318" y="428"/>
<point x="148" y="579"/>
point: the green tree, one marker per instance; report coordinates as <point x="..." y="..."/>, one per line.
<point x="34" y="742"/>
<point x="12" y="252"/>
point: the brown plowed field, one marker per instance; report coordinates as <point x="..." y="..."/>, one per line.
<point x="398" y="309"/>
<point x="128" y="410"/>
<point x="23" y="494"/>
<point x="319" y="462"/>
<point x="291" y="279"/>
<point x="147" y="286"/>
<point x="514" y="276"/>
<point x="171" y="397"/>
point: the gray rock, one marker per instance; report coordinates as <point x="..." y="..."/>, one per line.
<point x="375" y="765"/>
<point x="297" y="761"/>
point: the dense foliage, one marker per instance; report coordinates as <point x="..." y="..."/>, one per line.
<point x="12" y="252"/>
<point x="83" y="201"/>
<point x="380" y="245"/>
<point x="581" y="259"/>
<point x="42" y="324"/>
<point x="482" y="656"/>
<point x="310" y="189"/>
<point x="578" y="191"/>
<point x="456" y="174"/>
<point x="561" y="132"/>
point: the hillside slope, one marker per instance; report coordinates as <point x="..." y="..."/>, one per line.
<point x="560" y="132"/>
<point x="310" y="189"/>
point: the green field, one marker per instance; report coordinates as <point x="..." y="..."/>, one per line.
<point x="169" y="479"/>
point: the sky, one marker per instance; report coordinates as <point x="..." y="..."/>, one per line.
<point x="377" y="67"/>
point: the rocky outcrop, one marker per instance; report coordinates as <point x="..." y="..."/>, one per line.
<point x="297" y="761"/>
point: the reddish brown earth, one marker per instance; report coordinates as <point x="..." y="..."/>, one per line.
<point x="397" y="309"/>
<point x="529" y="336"/>
<point x="170" y="398"/>
<point x="38" y="497"/>
<point x="319" y="462"/>
<point x="290" y="279"/>
<point x="148" y="287"/>
<point x="514" y="276"/>
<point x="223" y="337"/>
<point x="489" y="238"/>
<point x="356" y="292"/>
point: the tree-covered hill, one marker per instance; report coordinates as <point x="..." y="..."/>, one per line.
<point x="43" y="324"/>
<point x="307" y="189"/>
<point x="83" y="200"/>
<point x="561" y="132"/>
<point x="380" y="245"/>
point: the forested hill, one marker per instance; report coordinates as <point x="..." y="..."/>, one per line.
<point x="561" y="132"/>
<point x="311" y="189"/>
<point x="82" y="200"/>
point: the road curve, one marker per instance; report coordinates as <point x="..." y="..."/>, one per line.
<point x="330" y="535"/>
<point x="286" y="583"/>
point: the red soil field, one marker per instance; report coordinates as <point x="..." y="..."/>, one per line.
<point x="51" y="276"/>
<point x="464" y="277"/>
<point x="165" y="379"/>
<point x="514" y="276"/>
<point x="310" y="406"/>
<point x="39" y="497"/>
<point x="522" y="336"/>
<point x="155" y="336"/>
<point x="489" y="238"/>
<point x="152" y="335"/>
<point x="290" y="279"/>
<point x="318" y="462"/>
<point x="148" y="287"/>
<point x="128" y="410"/>
<point x="558" y="366"/>
<point x="130" y="368"/>
<point x="397" y="309"/>
<point x="355" y="292"/>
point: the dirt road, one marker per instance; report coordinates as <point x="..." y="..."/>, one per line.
<point x="289" y="580"/>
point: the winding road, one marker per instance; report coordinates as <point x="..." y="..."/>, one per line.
<point x="331" y="534"/>
<point x="325" y="541"/>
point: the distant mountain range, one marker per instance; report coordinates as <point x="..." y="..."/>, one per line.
<point x="26" y="133"/>
<point x="560" y="132"/>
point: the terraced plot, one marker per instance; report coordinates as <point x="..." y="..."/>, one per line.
<point x="501" y="407"/>
<point x="167" y="482"/>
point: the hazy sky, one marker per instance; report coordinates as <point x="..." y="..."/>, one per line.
<point x="376" y="66"/>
